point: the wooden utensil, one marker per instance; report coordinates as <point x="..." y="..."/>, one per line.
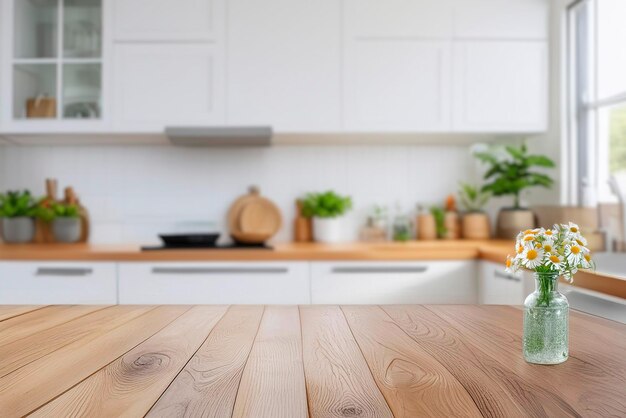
<point x="72" y="199"/>
<point x="303" y="227"/>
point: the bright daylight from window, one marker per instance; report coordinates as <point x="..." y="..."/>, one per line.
<point x="598" y="34"/>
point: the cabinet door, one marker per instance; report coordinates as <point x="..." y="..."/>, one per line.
<point x="497" y="287"/>
<point x="284" y="64"/>
<point x="498" y="19"/>
<point x="166" y="20"/>
<point x="214" y="283"/>
<point x="57" y="283"/>
<point x="160" y="85"/>
<point x="500" y="86"/>
<point x="396" y="85"/>
<point x="426" y="19"/>
<point x="392" y="283"/>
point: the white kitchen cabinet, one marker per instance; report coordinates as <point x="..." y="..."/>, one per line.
<point x="167" y="84"/>
<point x="57" y="283"/>
<point x="284" y="64"/>
<point x="497" y="287"/>
<point x="214" y="283"/>
<point x="167" y="20"/>
<point x="501" y="19"/>
<point x="401" y="86"/>
<point x="393" y="282"/>
<point x="500" y="86"/>
<point x="404" y="19"/>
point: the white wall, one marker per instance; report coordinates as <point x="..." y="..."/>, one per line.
<point x="134" y="192"/>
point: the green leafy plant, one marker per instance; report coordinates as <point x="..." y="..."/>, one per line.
<point x="473" y="198"/>
<point x="48" y="210"/>
<point x="325" y="205"/>
<point x="511" y="175"/>
<point x="440" y="220"/>
<point x="15" y="204"/>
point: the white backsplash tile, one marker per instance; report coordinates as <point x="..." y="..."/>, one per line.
<point x="134" y="192"/>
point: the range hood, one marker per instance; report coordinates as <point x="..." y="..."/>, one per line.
<point x="220" y="136"/>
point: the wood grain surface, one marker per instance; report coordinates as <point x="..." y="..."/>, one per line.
<point x="339" y="383"/>
<point x="308" y="361"/>
<point x="272" y="385"/>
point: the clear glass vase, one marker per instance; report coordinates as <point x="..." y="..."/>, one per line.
<point x="546" y="322"/>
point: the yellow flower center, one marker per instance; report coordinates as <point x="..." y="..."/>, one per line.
<point x="520" y="249"/>
<point x="528" y="231"/>
<point x="575" y="250"/>
<point x="579" y="242"/>
<point x="508" y="262"/>
<point x="531" y="255"/>
<point x="587" y="257"/>
<point x="554" y="259"/>
<point x="548" y="248"/>
<point x="574" y="229"/>
<point x="529" y="238"/>
<point x="548" y="232"/>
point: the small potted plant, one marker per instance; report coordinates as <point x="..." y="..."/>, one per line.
<point x="327" y="210"/>
<point x="18" y="210"/>
<point x="509" y="175"/>
<point x="475" y="222"/>
<point x="65" y="219"/>
<point x="550" y="253"/>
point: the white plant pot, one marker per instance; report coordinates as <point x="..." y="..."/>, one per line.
<point x="329" y="230"/>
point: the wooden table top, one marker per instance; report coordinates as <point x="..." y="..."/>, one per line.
<point x="289" y="361"/>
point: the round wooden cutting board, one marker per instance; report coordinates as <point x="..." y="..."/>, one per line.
<point x="253" y="218"/>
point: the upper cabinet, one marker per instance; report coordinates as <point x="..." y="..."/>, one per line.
<point x="445" y="65"/>
<point x="168" y="64"/>
<point x="301" y="66"/>
<point x="397" y="86"/>
<point x="501" y="86"/>
<point x="284" y="64"/>
<point x="501" y="19"/>
<point x="52" y="61"/>
<point x="166" y="20"/>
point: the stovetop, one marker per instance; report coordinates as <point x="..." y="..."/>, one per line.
<point x="232" y="246"/>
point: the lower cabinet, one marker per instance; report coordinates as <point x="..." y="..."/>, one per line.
<point x="497" y="287"/>
<point x="394" y="282"/>
<point x="57" y="283"/>
<point x="214" y="283"/>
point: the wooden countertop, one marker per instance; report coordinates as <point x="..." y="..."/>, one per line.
<point x="288" y="361"/>
<point x="386" y="251"/>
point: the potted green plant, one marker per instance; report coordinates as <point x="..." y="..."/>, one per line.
<point x="17" y="210"/>
<point x="327" y="210"/>
<point x="475" y="222"/>
<point x="509" y="175"/>
<point x="65" y="219"/>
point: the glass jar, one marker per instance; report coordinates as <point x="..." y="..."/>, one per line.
<point x="546" y="322"/>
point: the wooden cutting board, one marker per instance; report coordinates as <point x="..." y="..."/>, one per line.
<point x="253" y="218"/>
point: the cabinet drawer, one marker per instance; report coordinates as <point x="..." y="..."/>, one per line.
<point x="498" y="287"/>
<point x="393" y="283"/>
<point x="214" y="283"/>
<point x="57" y="283"/>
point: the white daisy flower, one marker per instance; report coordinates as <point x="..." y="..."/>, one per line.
<point x="554" y="261"/>
<point x="533" y="257"/>
<point x="586" y="262"/>
<point x="573" y="228"/>
<point x="574" y="254"/>
<point x="511" y="265"/>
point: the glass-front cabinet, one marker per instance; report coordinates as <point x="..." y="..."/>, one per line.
<point x="57" y="59"/>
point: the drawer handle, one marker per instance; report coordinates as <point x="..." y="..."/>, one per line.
<point x="379" y="270"/>
<point x="63" y="271"/>
<point x="505" y="276"/>
<point x="220" y="270"/>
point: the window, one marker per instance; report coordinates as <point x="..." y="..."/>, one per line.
<point x="597" y="93"/>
